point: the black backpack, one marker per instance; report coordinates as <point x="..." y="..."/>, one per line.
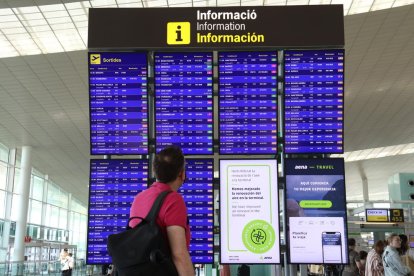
<point x="142" y="250"/>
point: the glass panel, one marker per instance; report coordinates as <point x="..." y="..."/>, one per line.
<point x="63" y="218"/>
<point x="55" y="217"/>
<point x="35" y="212"/>
<point x="37" y="188"/>
<point x="3" y="175"/>
<point x="4" y="153"/>
<point x="16" y="177"/>
<point x="63" y="199"/>
<point x="52" y="194"/>
<point x="47" y="217"/>
<point x="2" y="204"/>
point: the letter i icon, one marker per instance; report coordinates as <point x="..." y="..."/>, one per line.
<point x="178" y="32"/>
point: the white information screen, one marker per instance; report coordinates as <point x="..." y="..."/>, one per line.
<point x="249" y="212"/>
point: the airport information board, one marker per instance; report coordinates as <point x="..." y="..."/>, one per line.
<point x="248" y="102"/>
<point x="184" y="101"/>
<point x="197" y="192"/>
<point x="316" y="211"/>
<point x="113" y="186"/>
<point x="314" y="99"/>
<point x="118" y="103"/>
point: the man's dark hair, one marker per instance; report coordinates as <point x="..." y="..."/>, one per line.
<point x="168" y="164"/>
<point x="351" y="242"/>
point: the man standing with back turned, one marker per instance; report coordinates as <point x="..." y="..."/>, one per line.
<point x="169" y="170"/>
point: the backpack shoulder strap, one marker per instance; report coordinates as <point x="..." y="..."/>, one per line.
<point x="153" y="213"/>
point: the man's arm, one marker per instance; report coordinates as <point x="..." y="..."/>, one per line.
<point x="179" y="252"/>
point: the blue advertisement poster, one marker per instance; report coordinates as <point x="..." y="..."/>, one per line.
<point x="316" y="211"/>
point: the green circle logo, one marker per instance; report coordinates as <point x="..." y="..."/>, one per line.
<point x="258" y="236"/>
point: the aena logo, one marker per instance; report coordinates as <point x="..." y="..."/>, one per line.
<point x="178" y="33"/>
<point x="301" y="167"/>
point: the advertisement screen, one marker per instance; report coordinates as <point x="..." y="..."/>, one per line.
<point x="184" y="101"/>
<point x="197" y="191"/>
<point x="118" y="103"/>
<point x="314" y="101"/>
<point x="249" y="212"/>
<point x="248" y="102"/>
<point x="113" y="185"/>
<point x="376" y="215"/>
<point x="316" y="211"/>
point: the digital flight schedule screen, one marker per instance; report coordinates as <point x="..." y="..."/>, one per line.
<point x="314" y="101"/>
<point x="248" y="102"/>
<point x="118" y="103"/>
<point x="112" y="188"/>
<point x="184" y="101"/>
<point x="197" y="192"/>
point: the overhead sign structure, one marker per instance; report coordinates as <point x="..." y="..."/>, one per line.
<point x="213" y="27"/>
<point x="249" y="212"/>
<point x="384" y="215"/>
<point x="396" y="215"/>
<point x="315" y="211"/>
<point x="376" y="215"/>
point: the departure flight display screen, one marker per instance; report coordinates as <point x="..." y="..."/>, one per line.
<point x="314" y="101"/>
<point x="184" y="101"/>
<point x="197" y="191"/>
<point x="118" y="103"/>
<point x="248" y="102"/>
<point x="113" y="186"/>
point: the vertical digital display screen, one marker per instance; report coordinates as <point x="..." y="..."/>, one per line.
<point x="248" y="102"/>
<point x="113" y="186"/>
<point x="315" y="209"/>
<point x="314" y="99"/>
<point x="184" y="101"/>
<point x="118" y="103"/>
<point x="197" y="192"/>
<point x="249" y="212"/>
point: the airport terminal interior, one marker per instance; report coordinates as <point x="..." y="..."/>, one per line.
<point x="48" y="170"/>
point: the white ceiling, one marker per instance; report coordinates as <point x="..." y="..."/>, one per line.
<point x="44" y="103"/>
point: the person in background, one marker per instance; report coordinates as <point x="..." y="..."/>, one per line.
<point x="362" y="258"/>
<point x="64" y="260"/>
<point x="71" y="263"/>
<point x="393" y="266"/>
<point x="404" y="245"/>
<point x="353" y="268"/>
<point x="63" y="255"/>
<point x="169" y="170"/>
<point x="373" y="266"/>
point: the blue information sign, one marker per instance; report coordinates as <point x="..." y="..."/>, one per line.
<point x="248" y="102"/>
<point x="113" y="186"/>
<point x="198" y="196"/>
<point x="314" y="99"/>
<point x="184" y="101"/>
<point x="118" y="103"/>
